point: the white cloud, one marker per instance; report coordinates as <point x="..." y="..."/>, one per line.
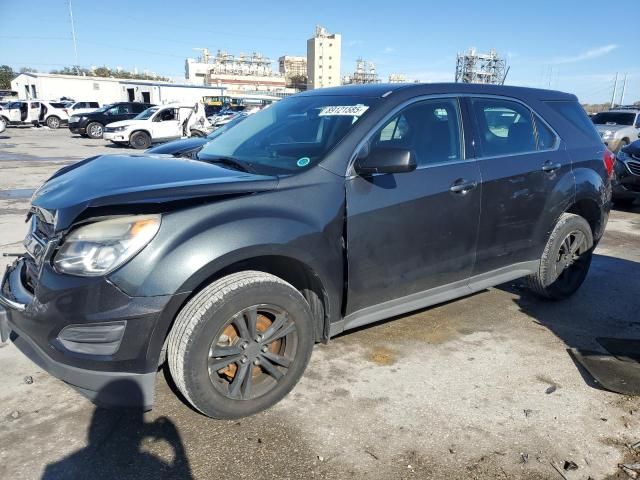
<point x="588" y="55"/>
<point x="389" y="50"/>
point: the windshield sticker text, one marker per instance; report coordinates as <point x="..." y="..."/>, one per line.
<point x="345" y="110"/>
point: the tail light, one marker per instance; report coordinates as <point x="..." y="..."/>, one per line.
<point x="609" y="160"/>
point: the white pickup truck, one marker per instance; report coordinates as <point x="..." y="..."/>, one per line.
<point x="155" y="125"/>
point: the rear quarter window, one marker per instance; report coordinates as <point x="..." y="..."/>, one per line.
<point x="573" y="113"/>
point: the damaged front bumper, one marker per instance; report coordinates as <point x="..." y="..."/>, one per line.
<point x="86" y="332"/>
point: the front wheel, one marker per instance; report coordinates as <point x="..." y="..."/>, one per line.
<point x="241" y="344"/>
<point x="53" y="122"/>
<point x="140" y="140"/>
<point x="565" y="260"/>
<point x="95" y="130"/>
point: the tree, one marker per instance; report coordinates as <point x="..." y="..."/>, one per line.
<point x="28" y="70"/>
<point x="6" y="75"/>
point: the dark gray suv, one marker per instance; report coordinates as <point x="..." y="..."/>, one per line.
<point x="329" y="210"/>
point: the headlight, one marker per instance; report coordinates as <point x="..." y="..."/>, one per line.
<point x="120" y="129"/>
<point x="607" y="134"/>
<point x="101" y="247"/>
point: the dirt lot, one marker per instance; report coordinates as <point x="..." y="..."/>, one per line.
<point x="482" y="387"/>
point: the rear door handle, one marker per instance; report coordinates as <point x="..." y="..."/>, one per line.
<point x="462" y="186"/>
<point x="550" y="167"/>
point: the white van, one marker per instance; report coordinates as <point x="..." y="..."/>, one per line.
<point x="35" y="112"/>
<point x="154" y="125"/>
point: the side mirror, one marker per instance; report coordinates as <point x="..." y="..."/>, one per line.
<point x="385" y="160"/>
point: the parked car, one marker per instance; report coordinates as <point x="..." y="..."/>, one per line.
<point x="619" y="127"/>
<point x="35" y="112"/>
<point x="80" y="108"/>
<point x="154" y="125"/>
<point x="92" y="124"/>
<point x="188" y="147"/>
<point x="330" y="210"/>
<point x="626" y="180"/>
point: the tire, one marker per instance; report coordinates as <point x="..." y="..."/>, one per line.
<point x="197" y="134"/>
<point x="140" y="140"/>
<point x="95" y="130"/>
<point x="623" y="143"/>
<point x="229" y="384"/>
<point x="561" y="273"/>
<point x="53" y="122"/>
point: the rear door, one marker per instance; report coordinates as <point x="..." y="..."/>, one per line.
<point x="411" y="232"/>
<point x="521" y="161"/>
<point x="34" y="112"/>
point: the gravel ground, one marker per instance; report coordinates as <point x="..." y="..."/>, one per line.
<point x="482" y="387"/>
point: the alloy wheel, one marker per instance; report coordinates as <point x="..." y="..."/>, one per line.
<point x="253" y="352"/>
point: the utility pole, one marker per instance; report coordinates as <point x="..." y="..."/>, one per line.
<point x="615" y="90"/>
<point x="73" y="35"/>
<point x="624" y="88"/>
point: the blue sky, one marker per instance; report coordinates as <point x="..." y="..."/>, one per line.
<point x="575" y="46"/>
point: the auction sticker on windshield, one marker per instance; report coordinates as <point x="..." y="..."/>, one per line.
<point x="346" y="110"/>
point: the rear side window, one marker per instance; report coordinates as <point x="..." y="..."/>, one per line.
<point x="546" y="138"/>
<point x="505" y="127"/>
<point x="576" y="116"/>
<point x="94" y="105"/>
<point x="79" y="105"/>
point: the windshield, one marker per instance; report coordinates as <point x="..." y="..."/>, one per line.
<point x="291" y="135"/>
<point x="219" y="131"/>
<point x="146" y="114"/>
<point x="103" y="109"/>
<point x="614" y="118"/>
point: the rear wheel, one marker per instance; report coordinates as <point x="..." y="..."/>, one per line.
<point x="566" y="259"/>
<point x="53" y="122"/>
<point x="95" y="130"/>
<point x="241" y="344"/>
<point x="140" y="140"/>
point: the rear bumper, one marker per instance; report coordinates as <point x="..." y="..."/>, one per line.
<point x="120" y="376"/>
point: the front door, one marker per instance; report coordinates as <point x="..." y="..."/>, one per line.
<point x="166" y="124"/>
<point x="411" y="232"/>
<point x="520" y="163"/>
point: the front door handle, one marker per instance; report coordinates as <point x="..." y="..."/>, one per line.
<point x="548" y="166"/>
<point x="462" y="186"/>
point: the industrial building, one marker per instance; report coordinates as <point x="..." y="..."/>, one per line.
<point x="474" y="67"/>
<point x="107" y="90"/>
<point x="365" y="72"/>
<point x="237" y="73"/>
<point x="293" y="69"/>
<point x="324" y="52"/>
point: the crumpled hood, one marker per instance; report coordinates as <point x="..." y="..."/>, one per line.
<point x="133" y="179"/>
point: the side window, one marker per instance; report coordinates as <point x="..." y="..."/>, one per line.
<point x="505" y="127"/>
<point x="138" y="107"/>
<point x="94" y="105"/>
<point x="430" y="129"/>
<point x="546" y="138"/>
<point x="637" y="124"/>
<point x="79" y="105"/>
<point x="168" y="114"/>
<point x="124" y="109"/>
<point x="117" y="110"/>
<point x="573" y="112"/>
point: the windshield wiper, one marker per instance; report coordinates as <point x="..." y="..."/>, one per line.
<point x="228" y="161"/>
